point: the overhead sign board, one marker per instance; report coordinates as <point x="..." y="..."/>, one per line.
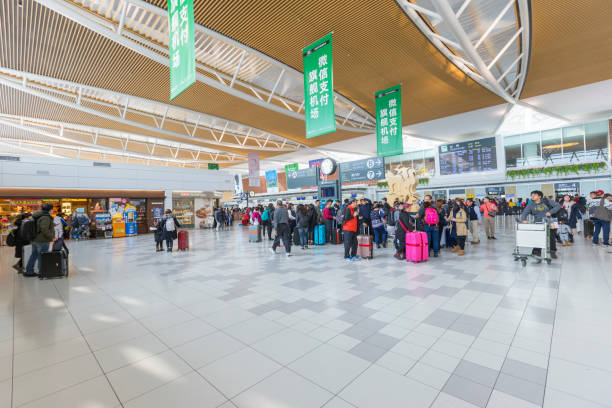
<point x="303" y="178"/>
<point x="466" y="157"/>
<point x="495" y="191"/>
<point x="291" y="167"/>
<point x="389" y="121"/>
<point x="181" y="45"/>
<point x="362" y="170"/>
<point x="319" y="88"/>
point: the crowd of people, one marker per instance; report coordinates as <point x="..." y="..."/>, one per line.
<point x="447" y="223"/>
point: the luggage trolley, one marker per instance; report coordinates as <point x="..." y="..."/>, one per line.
<point x="532" y="236"/>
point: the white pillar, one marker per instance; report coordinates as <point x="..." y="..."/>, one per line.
<point x="168" y="200"/>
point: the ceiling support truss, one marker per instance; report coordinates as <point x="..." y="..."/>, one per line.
<point x="57" y="131"/>
<point x="59" y="91"/>
<point x="474" y="66"/>
<point x="153" y="45"/>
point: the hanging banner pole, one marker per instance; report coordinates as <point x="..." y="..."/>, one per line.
<point x="389" y="140"/>
<point x="319" y="88"/>
<point x="181" y="38"/>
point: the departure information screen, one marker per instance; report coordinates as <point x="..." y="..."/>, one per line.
<point x="466" y="157"/>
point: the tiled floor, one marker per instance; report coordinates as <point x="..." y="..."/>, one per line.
<point x="229" y="325"/>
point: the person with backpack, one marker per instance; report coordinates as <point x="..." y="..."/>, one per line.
<point x="169" y="229"/>
<point x="378" y="225"/>
<point x="542" y="208"/>
<point x="429" y="216"/>
<point x="489" y="211"/>
<point x="328" y="219"/>
<point x="39" y="230"/>
<point x="265" y="220"/>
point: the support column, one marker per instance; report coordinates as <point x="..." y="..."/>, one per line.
<point x="168" y="200"/>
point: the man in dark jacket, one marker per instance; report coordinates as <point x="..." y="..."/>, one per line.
<point x="281" y="227"/>
<point x="19" y="242"/>
<point x="44" y="236"/>
<point x="365" y="222"/>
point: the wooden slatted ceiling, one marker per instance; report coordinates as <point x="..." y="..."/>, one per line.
<point x="571" y="45"/>
<point x="375" y="46"/>
<point x="38" y="40"/>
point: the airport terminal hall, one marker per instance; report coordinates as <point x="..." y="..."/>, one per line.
<point x="305" y="204"/>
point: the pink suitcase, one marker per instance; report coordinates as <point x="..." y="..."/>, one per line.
<point x="417" y="249"/>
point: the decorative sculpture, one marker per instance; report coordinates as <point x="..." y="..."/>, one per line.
<point x="402" y="185"/>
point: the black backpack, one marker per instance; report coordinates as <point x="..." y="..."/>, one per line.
<point x="11" y="238"/>
<point x="27" y="231"/>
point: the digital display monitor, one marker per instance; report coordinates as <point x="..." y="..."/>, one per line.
<point x="467" y="157"/>
<point x="328" y="192"/>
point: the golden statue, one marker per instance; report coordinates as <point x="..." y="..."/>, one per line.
<point x="402" y="185"/>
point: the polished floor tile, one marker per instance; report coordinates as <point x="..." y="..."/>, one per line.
<point x="229" y="325"/>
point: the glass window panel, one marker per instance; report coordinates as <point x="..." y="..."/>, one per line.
<point x="573" y="144"/>
<point x="596" y="135"/>
<point x="513" y="156"/>
<point x="512" y="147"/>
<point x="551" y="146"/>
<point x="531" y="144"/>
<point x="430" y="164"/>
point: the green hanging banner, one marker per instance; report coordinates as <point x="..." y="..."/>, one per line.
<point x="181" y="44"/>
<point x="319" y="88"/>
<point x="213" y="166"/>
<point x="389" y="139"/>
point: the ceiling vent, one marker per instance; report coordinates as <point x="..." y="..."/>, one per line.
<point x="101" y="164"/>
<point x="10" y="158"/>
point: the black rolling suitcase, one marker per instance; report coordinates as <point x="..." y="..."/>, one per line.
<point x="296" y="237"/>
<point x="54" y="264"/>
<point x="588" y="228"/>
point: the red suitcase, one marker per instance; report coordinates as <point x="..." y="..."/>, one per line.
<point x="417" y="248"/>
<point x="183" y="240"/>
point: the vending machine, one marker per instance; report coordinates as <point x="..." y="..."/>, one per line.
<point x="130" y="216"/>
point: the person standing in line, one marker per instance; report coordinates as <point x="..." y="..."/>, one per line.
<point x="349" y="228"/>
<point x="44" y="235"/>
<point x="430" y="218"/>
<point x="19" y="241"/>
<point x="403" y="225"/>
<point x="378" y="225"/>
<point x="170" y="225"/>
<point x="474" y="217"/>
<point x="328" y="218"/>
<point x="302" y="222"/>
<point x="458" y="218"/>
<point x="489" y="211"/>
<point x="281" y="228"/>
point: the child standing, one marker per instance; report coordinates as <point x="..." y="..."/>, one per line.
<point x="159" y="237"/>
<point x="564" y="232"/>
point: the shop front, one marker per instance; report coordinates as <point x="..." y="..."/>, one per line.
<point x="93" y="208"/>
<point x="195" y="209"/>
